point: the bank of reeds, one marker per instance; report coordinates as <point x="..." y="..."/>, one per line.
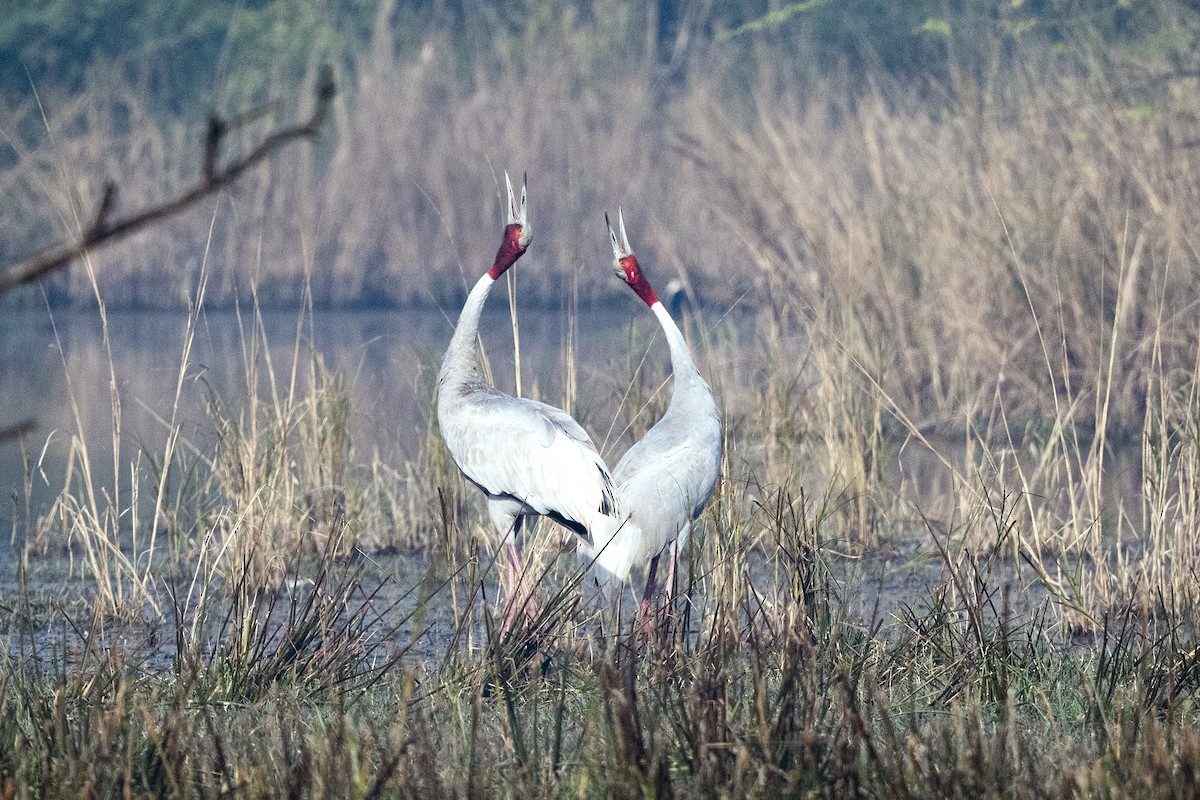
<point x="1041" y="176"/>
<point x="1004" y="291"/>
<point x="762" y="685"/>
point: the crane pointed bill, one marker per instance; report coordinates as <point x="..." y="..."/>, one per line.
<point x="524" y="183"/>
<point x="625" y="248"/>
<point x="612" y="238"/>
<point x="512" y="203"/>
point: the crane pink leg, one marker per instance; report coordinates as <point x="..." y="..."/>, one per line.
<point x="669" y="598"/>
<point x="646" y="607"/>
<point x="517" y="595"/>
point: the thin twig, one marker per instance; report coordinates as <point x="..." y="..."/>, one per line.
<point x="213" y="179"/>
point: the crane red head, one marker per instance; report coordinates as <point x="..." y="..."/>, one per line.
<point x="517" y="232"/>
<point x="625" y="263"/>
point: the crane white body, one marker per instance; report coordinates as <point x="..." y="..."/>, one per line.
<point x="664" y="480"/>
<point x="528" y="458"/>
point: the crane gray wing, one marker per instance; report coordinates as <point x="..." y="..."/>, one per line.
<point x="533" y="452"/>
<point x="665" y="480"/>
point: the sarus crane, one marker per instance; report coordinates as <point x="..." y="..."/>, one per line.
<point x="667" y="477"/>
<point x="528" y="458"/>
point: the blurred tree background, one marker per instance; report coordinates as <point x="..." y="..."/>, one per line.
<point x="188" y="54"/>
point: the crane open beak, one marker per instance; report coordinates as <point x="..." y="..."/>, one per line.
<point x="620" y="246"/>
<point x="517" y="213"/>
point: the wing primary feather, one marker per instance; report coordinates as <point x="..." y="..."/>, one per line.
<point x="608" y="497"/>
<point x="575" y="527"/>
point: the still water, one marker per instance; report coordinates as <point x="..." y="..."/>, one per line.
<point x="55" y="371"/>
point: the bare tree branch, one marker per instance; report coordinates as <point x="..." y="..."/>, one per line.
<point x="213" y="178"/>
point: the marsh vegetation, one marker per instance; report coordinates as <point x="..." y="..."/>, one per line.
<point x="952" y="323"/>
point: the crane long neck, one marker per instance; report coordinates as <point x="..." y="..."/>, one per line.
<point x="461" y="363"/>
<point x="682" y="366"/>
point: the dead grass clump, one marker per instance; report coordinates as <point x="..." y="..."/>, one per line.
<point x="763" y="683"/>
<point x="1003" y="285"/>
